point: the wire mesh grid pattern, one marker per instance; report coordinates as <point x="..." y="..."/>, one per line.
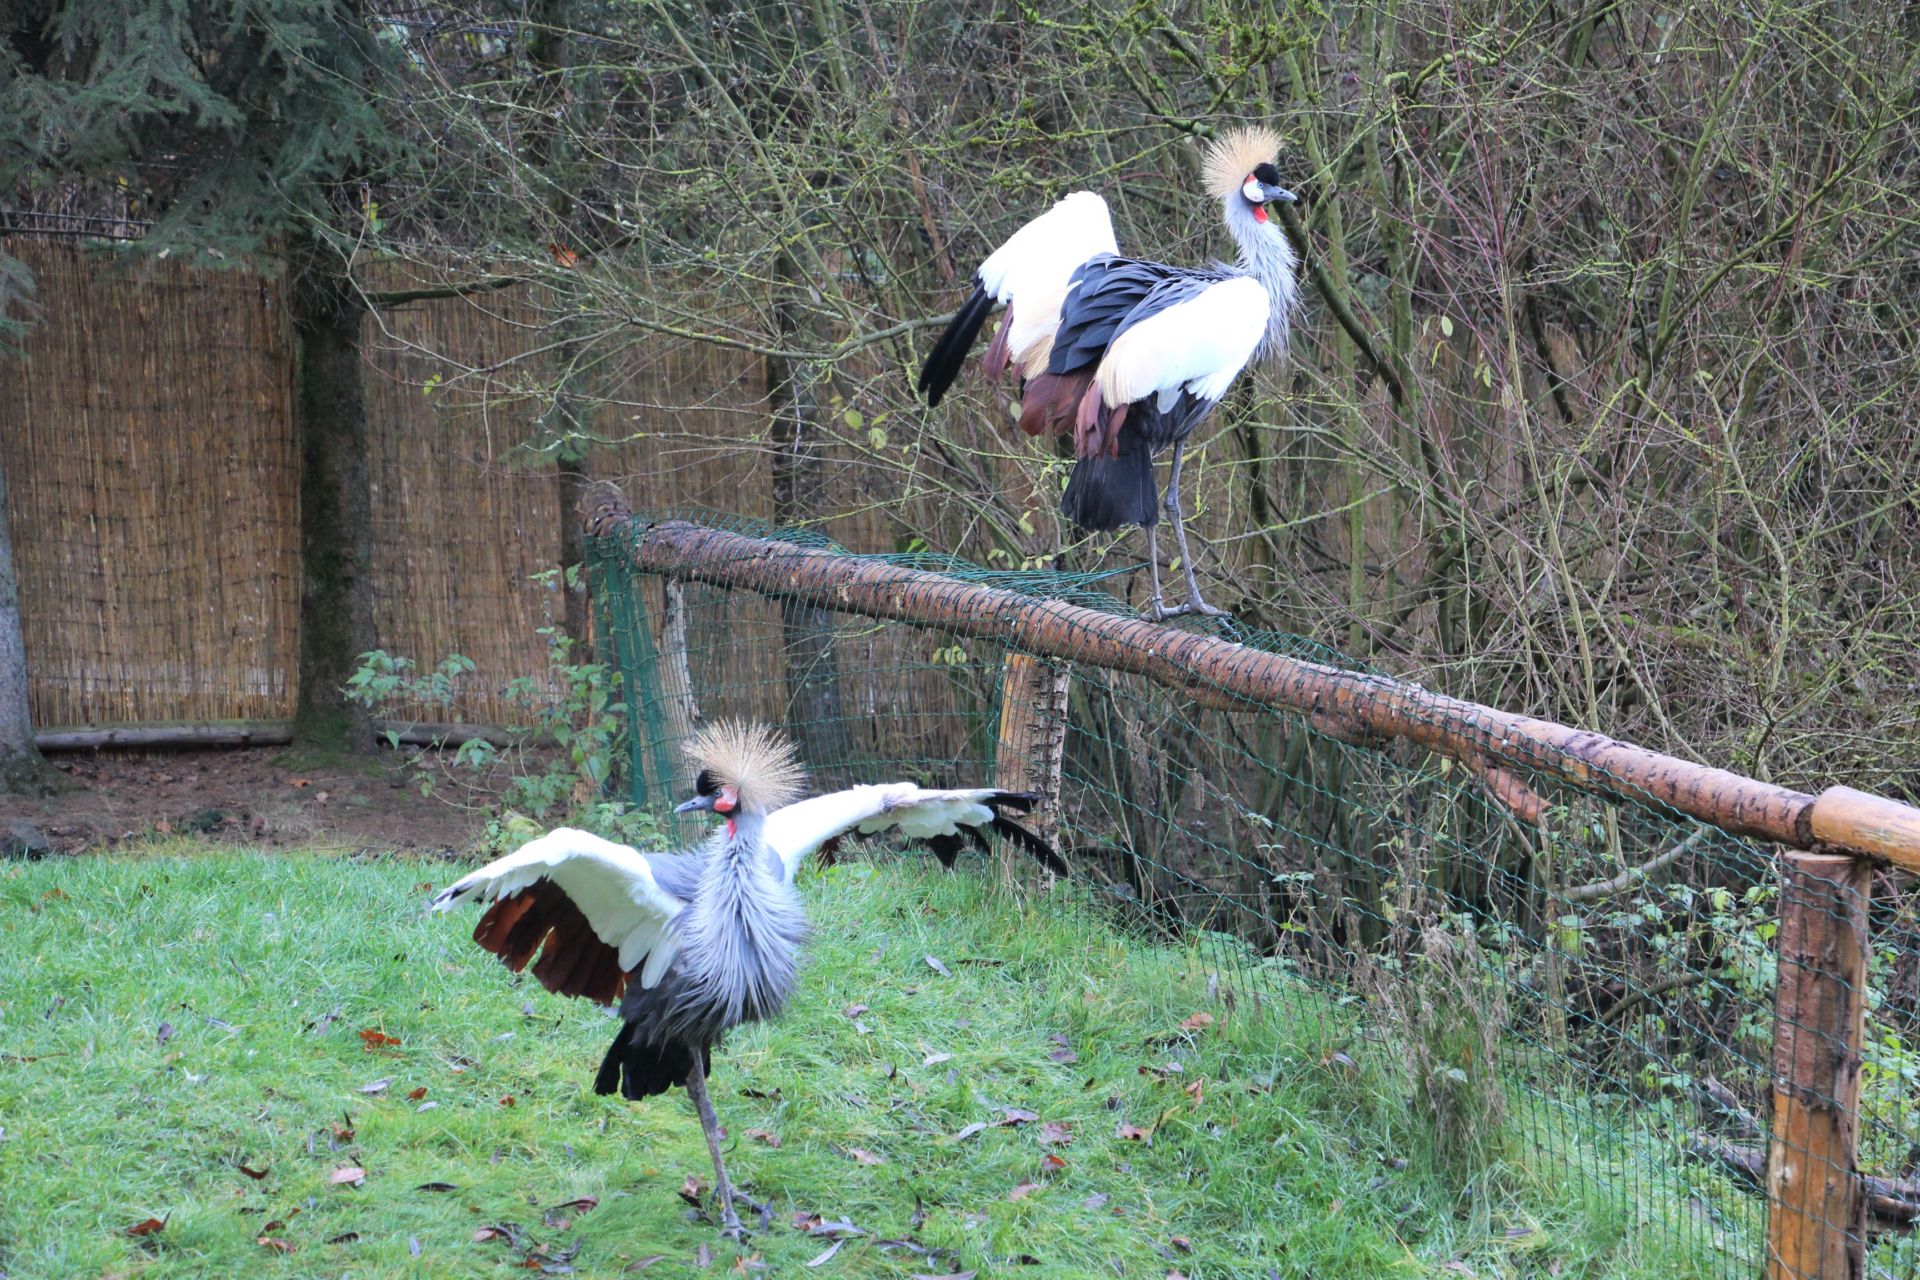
<point x="1587" y="962"/>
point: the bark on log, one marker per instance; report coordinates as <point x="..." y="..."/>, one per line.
<point x="1033" y="734"/>
<point x="1816" y="1224"/>
<point x="1211" y="669"/>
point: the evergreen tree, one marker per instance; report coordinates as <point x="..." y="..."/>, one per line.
<point x="247" y="128"/>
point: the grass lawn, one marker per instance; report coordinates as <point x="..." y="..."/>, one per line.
<point x="211" y="1037"/>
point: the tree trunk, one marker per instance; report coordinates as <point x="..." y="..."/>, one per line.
<point x="21" y="768"/>
<point x="336" y="506"/>
<point x="542" y="97"/>
<point x="799" y="497"/>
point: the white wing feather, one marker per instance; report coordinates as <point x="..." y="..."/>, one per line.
<point x="1201" y="344"/>
<point x="799" y="829"/>
<point x="611" y="884"/>
<point x="1038" y="258"/>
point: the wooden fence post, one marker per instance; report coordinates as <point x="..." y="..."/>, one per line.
<point x="1816" y="1207"/>
<point x="1033" y="734"/>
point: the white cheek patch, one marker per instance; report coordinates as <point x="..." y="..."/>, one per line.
<point x="1251" y="190"/>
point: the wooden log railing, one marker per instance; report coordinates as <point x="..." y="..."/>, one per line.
<point x="1816" y="1194"/>
<point x="1352" y="705"/>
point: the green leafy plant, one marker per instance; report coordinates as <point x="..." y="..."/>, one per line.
<point x="557" y="765"/>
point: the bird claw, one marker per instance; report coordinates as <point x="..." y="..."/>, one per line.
<point x="730" y="1225"/>
<point x="1161" y="612"/>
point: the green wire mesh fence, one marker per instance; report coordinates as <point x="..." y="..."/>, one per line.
<point x="1587" y="959"/>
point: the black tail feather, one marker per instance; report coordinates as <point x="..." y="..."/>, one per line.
<point x="950" y="352"/>
<point x="947" y="848"/>
<point x="645" y="1069"/>
<point x="1105" y="493"/>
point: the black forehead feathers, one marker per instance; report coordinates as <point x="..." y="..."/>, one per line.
<point x="1267" y="174"/>
<point x="706" y="784"/>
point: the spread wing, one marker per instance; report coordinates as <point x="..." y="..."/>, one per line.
<point x="942" y="819"/>
<point x="596" y="907"/>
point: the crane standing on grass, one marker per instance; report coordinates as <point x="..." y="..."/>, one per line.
<point x="1129" y="355"/>
<point x="707" y="939"/>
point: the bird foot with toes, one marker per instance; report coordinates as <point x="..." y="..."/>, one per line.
<point x="1196" y="606"/>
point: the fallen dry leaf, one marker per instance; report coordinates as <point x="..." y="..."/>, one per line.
<point x="693" y="1190"/>
<point x="274" y="1242"/>
<point x="1017" y="1116"/>
<point x="1055" y="1134"/>
<point x="377" y="1041"/>
<point x="580" y="1204"/>
<point x="1197" y="1022"/>
<point x="764" y="1135"/>
<point x="345" y="1237"/>
<point x="352" y="1173"/>
<point x="935" y="1059"/>
<point x="1051" y="1163"/>
<point x="646" y="1262"/>
<point x="1181" y="1243"/>
<point x="970" y="1130"/>
<point x="937" y="967"/>
<point x="255" y="1174"/>
<point x="951" y="1275"/>
<point x="703" y="1256"/>
<point x="1064" y="1056"/>
<point x="299" y="782"/>
<point x="854" y="1010"/>
<point x="507" y="1101"/>
<point x="1022" y="1191"/>
<point x="436" y="1186"/>
<point x="414" y="1095"/>
<point x="864" y="1156"/>
<point x="485" y="1234"/>
<point x="1131" y="1132"/>
<point x="826" y="1256"/>
<point x="378" y="1086"/>
<point x="147" y="1228"/>
<point x="164" y="1034"/>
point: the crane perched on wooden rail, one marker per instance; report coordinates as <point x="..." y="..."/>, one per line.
<point x="695" y="943"/>
<point x="1127" y="355"/>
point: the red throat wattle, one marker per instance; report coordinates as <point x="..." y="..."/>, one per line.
<point x="1259" y="213"/>
<point x="729" y="828"/>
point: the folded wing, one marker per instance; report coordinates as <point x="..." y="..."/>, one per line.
<point x="593" y="909"/>
<point x="944" y="820"/>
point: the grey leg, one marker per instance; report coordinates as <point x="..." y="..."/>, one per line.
<point x="1194" y="603"/>
<point x="1153" y="569"/>
<point x="723" y="1191"/>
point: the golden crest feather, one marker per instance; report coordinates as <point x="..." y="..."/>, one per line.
<point x="756" y="760"/>
<point x="1231" y="157"/>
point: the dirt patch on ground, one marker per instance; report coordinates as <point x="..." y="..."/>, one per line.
<point x="243" y="795"/>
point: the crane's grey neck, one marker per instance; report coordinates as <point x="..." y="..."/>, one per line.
<point x="1267" y="256"/>
<point x="745" y="833"/>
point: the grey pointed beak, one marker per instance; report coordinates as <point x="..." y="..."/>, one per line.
<point x="696" y="804"/>
<point x="1278" y="195"/>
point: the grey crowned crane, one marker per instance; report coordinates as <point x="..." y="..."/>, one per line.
<point x="692" y="944"/>
<point x="1131" y="356"/>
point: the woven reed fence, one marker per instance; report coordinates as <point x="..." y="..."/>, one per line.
<point x="147" y="436"/>
<point x="1702" y="989"/>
